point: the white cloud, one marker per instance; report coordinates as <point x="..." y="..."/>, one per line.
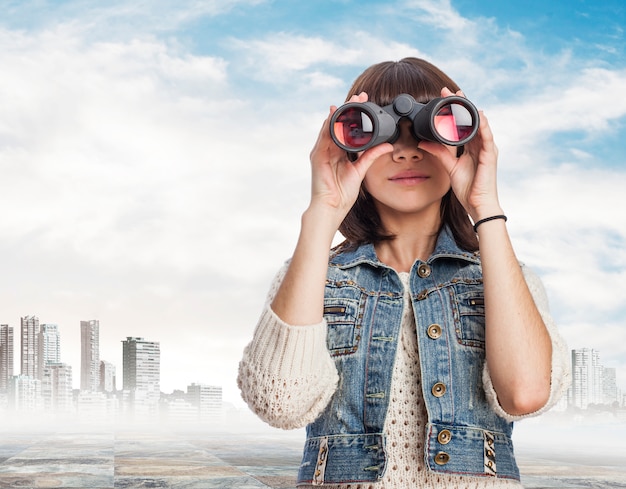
<point x="158" y="190"/>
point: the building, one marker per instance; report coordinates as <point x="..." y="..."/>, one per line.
<point x="6" y="356"/>
<point x="48" y="347"/>
<point x="90" y="355"/>
<point x="142" y="374"/>
<point x="586" y="378"/>
<point x="207" y="399"/>
<point x="25" y="394"/>
<point x="107" y="377"/>
<point x="30" y="346"/>
<point x="56" y="388"/>
<point x="610" y="392"/>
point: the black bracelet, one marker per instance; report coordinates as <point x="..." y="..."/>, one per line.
<point x="500" y="216"/>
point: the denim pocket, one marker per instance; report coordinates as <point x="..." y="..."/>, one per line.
<point x="470" y="320"/>
<point x="344" y="329"/>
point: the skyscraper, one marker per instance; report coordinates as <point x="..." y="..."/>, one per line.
<point x="107" y="377"/>
<point x="6" y="356"/>
<point x="30" y="347"/>
<point x="48" y="347"/>
<point x="586" y="378"/>
<point x="90" y="355"/>
<point x="142" y="372"/>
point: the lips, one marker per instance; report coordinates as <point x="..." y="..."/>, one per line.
<point x="409" y="177"/>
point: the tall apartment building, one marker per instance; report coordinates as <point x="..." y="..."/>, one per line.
<point x="142" y="373"/>
<point x="90" y="355"/>
<point x="6" y="356"/>
<point x="56" y="388"/>
<point x="48" y="347"/>
<point x="30" y="346"/>
<point x="610" y="392"/>
<point x="586" y="378"/>
<point x="107" y="377"/>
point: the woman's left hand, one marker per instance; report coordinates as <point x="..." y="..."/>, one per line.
<point x="473" y="176"/>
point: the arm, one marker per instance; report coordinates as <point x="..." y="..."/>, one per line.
<point x="287" y="375"/>
<point x="517" y="342"/>
<point x="336" y="183"/>
<point x="560" y="368"/>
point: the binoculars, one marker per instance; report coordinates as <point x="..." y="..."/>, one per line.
<point x="357" y="126"/>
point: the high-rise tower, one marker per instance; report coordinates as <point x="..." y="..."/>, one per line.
<point x="586" y="378"/>
<point x="48" y="347"/>
<point x="142" y="372"/>
<point x="90" y="355"/>
<point x="6" y="356"/>
<point x="30" y="346"/>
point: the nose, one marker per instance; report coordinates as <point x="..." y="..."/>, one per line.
<point x="405" y="147"/>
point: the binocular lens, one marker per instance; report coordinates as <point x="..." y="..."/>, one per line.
<point x="353" y="128"/>
<point x="453" y="122"/>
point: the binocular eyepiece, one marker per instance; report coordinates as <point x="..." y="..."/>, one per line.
<point x="357" y="126"/>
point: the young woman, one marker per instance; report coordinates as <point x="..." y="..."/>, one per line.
<point x="408" y="350"/>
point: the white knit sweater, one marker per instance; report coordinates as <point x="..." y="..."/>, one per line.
<point x="287" y="378"/>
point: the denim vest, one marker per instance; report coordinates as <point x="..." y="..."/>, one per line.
<point x="363" y="306"/>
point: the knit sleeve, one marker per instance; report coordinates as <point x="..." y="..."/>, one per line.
<point x="561" y="372"/>
<point x="286" y="375"/>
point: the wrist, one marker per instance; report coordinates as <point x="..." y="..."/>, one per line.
<point x="496" y="217"/>
<point x="481" y="213"/>
<point x="320" y="223"/>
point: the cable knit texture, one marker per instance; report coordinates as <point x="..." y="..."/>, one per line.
<point x="287" y="377"/>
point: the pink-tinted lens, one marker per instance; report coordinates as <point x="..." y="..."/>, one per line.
<point x="453" y="122"/>
<point x="353" y="128"/>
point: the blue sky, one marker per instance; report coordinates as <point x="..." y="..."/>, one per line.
<point x="155" y="156"/>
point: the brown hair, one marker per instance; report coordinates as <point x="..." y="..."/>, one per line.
<point x="383" y="82"/>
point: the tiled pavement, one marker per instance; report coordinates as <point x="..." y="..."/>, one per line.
<point x="208" y="460"/>
<point x="146" y="460"/>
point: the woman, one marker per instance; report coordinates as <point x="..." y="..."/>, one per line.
<point x="409" y="351"/>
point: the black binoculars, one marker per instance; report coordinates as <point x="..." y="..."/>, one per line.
<point x="357" y="126"/>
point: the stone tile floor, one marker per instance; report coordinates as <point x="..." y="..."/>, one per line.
<point x="145" y="460"/>
<point x="209" y="460"/>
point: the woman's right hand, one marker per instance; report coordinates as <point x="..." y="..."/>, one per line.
<point x="336" y="181"/>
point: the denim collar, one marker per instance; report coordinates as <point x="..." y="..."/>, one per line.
<point x="445" y="247"/>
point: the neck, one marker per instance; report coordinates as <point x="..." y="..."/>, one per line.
<point x="415" y="239"/>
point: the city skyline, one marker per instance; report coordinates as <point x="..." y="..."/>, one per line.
<point x="593" y="383"/>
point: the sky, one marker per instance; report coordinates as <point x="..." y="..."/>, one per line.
<point x="154" y="157"/>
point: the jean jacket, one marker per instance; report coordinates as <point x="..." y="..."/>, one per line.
<point x="363" y="307"/>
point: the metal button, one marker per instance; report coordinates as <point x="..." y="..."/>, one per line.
<point x="434" y="331"/>
<point x="444" y="437"/>
<point x="439" y="389"/>
<point x="424" y="270"/>
<point x="442" y="458"/>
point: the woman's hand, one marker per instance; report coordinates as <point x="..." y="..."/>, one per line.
<point x="473" y="176"/>
<point x="336" y="181"/>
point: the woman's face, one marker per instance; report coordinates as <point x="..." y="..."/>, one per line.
<point x="407" y="180"/>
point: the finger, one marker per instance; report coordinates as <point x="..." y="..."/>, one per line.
<point x="367" y="158"/>
<point x="441" y="152"/>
